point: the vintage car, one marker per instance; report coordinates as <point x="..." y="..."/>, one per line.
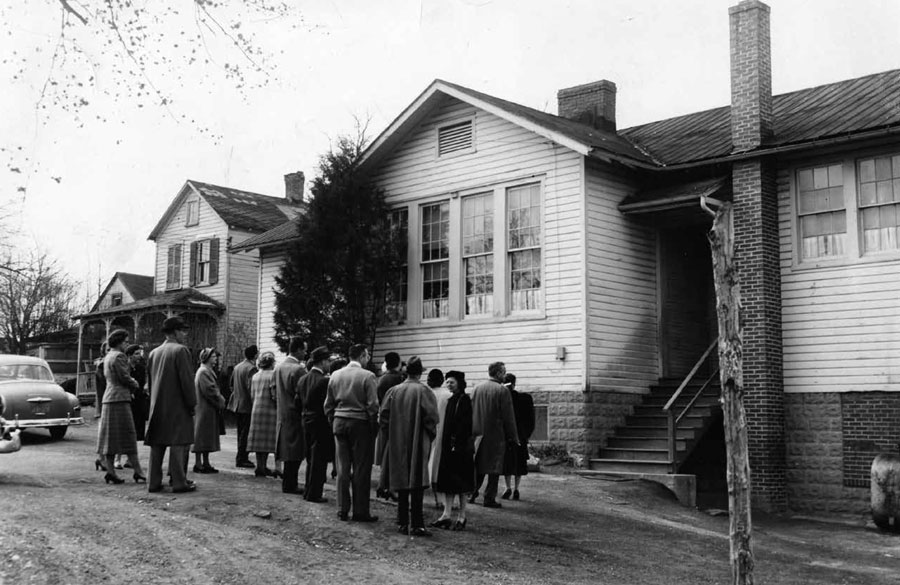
<point x="32" y="399"/>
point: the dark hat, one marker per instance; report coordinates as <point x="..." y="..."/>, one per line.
<point x="174" y="324"/>
<point x="132" y="348"/>
<point x="319" y="354"/>
<point x="206" y="353"/>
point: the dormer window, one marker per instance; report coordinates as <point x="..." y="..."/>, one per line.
<point x="193" y="212"/>
<point x="455" y="138"/>
<point x="116" y="299"/>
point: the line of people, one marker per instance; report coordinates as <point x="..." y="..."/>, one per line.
<point x="423" y="436"/>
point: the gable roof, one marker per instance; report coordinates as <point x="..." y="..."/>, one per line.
<point x="582" y="138"/>
<point x="138" y="286"/>
<point x="242" y="210"/>
<point x="281" y="234"/>
<point x="843" y="109"/>
<point x="837" y="111"/>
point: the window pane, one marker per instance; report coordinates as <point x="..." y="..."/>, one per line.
<point x="885" y="191"/>
<point x="835" y="176"/>
<point x="820" y="178"/>
<point x="882" y="169"/>
<point x="867" y="194"/>
<point x="867" y="170"/>
<point x="805" y="178"/>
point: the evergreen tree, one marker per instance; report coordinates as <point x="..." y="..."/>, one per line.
<point x="333" y="286"/>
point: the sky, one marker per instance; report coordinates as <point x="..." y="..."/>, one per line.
<point x="88" y="187"/>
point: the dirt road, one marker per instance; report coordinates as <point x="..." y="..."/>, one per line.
<point x="62" y="524"/>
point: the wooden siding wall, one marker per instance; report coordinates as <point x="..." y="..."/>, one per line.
<point x="622" y="292"/>
<point x="115" y="287"/>
<point x="840" y="323"/>
<point x="503" y="152"/>
<point x="270" y="263"/>
<point x="209" y="226"/>
<point x="243" y="288"/>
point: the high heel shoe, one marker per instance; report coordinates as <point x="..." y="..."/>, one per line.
<point x="98" y="465"/>
<point x="443" y="523"/>
<point x="506" y="494"/>
<point x="110" y="478"/>
<point x="138" y="478"/>
<point x="459" y="526"/>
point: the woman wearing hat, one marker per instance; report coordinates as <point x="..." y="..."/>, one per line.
<point x="116" y="433"/>
<point x="206" y="421"/>
<point x="455" y="460"/>
<point x="264" y="414"/>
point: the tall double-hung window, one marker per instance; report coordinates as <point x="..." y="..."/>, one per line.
<point x="395" y="307"/>
<point x="879" y="199"/>
<point x="435" y="260"/>
<point x="524" y="247"/>
<point x="478" y="253"/>
<point x="823" y="216"/>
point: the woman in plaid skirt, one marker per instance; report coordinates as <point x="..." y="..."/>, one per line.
<point x="264" y="413"/>
<point x="116" y="433"/>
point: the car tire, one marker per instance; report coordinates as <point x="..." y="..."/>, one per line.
<point x="58" y="432"/>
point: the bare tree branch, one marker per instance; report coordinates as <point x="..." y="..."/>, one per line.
<point x="68" y="8"/>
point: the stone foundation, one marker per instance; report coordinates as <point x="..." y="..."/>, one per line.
<point x="814" y="436"/>
<point x="583" y="420"/>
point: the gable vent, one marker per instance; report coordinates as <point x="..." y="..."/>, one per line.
<point x="455" y="137"/>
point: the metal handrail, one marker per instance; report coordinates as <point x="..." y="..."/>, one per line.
<point x="672" y="419"/>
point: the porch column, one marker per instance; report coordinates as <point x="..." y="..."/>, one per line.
<point x="78" y="362"/>
<point x="136" y="319"/>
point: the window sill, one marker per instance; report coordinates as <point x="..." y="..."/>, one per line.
<point x="871" y="258"/>
<point x="472" y="321"/>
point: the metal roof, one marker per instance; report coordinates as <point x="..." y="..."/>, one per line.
<point x="187" y="299"/>
<point x="837" y="109"/>
<point x="242" y="209"/>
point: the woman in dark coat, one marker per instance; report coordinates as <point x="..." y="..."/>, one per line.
<point x="116" y="433"/>
<point x="516" y="461"/>
<point x="206" y="419"/>
<point x="264" y="414"/>
<point x="455" y="461"/>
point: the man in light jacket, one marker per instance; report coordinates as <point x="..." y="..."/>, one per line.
<point x="352" y="407"/>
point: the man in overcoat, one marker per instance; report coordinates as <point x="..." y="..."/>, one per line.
<point x="241" y="404"/>
<point x="493" y="426"/>
<point x="409" y="418"/>
<point x="388" y="380"/>
<point x="351" y="406"/>
<point x="289" y="444"/>
<point x="312" y="390"/>
<point x="173" y="399"/>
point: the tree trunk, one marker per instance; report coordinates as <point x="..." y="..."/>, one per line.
<point x="728" y="309"/>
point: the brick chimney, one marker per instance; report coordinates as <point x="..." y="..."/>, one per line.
<point x="751" y="75"/>
<point x="591" y="103"/>
<point x="293" y="186"/>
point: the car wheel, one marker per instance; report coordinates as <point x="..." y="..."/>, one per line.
<point x="58" y="432"/>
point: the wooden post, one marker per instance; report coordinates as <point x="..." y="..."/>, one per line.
<point x="728" y="309"/>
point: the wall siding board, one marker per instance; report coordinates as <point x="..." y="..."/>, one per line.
<point x="622" y="295"/>
<point x="270" y="267"/>
<point x="840" y="323"/>
<point x="504" y="153"/>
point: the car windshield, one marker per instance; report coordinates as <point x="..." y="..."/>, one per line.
<point x="25" y="372"/>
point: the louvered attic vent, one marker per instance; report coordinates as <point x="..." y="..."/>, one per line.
<point x="455" y="137"/>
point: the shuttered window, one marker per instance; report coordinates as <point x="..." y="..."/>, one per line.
<point x="455" y="138"/>
<point x="205" y="262"/>
<point x="879" y="200"/>
<point x="173" y="267"/>
<point x="822" y="213"/>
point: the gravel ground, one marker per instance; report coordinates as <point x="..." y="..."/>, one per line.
<point x="62" y="524"/>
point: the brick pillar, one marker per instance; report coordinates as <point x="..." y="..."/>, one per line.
<point x="757" y="258"/>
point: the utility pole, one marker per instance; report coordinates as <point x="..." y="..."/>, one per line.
<point x="728" y="310"/>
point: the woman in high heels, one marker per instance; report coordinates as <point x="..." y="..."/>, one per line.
<point x="264" y="414"/>
<point x="116" y="433"/>
<point x="455" y="461"/>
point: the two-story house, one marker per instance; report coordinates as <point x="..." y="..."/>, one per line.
<point x="196" y="275"/>
<point x="575" y="252"/>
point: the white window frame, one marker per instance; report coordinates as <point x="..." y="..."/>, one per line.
<point x="487" y="253"/>
<point x="397" y="311"/>
<point x="457" y="286"/>
<point x="429" y="264"/>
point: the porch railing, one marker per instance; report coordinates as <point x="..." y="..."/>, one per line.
<point x="676" y="417"/>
